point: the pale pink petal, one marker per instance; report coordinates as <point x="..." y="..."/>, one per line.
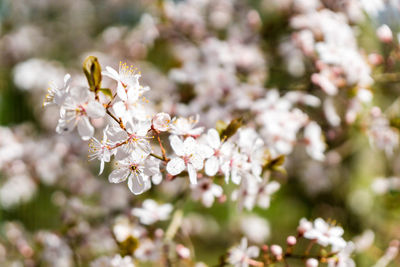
<point x="118" y="175"/>
<point x="137" y="184"/>
<point x="120" y="109"/>
<point x="175" y="166"/>
<point x="177" y="145"/>
<point x="213" y="138"/>
<point x="212" y="166"/>
<point x="192" y="174"/>
<point x="85" y="129"/>
<point x="95" y="110"/>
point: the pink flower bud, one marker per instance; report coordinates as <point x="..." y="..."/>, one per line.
<point x="312" y="263"/>
<point x="375" y="59"/>
<point x="384" y="34"/>
<point x="276" y="251"/>
<point x="161" y="122"/>
<point x="182" y="251"/>
<point x="304" y="226"/>
<point x="291" y="240"/>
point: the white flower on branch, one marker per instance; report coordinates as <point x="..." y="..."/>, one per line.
<point x="56" y="95"/>
<point x="137" y="169"/>
<point x="152" y="212"/>
<point x="191" y="156"/>
<point x="206" y="191"/>
<point x="241" y="256"/>
<point x="79" y="106"/>
<point x="100" y="150"/>
<point x="185" y="126"/>
<point x="134" y="139"/>
<point x="326" y="234"/>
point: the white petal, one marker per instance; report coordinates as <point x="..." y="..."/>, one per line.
<point x="113" y="74"/>
<point x="175" y="166"/>
<point x="207" y="199"/>
<point x="213" y="138"/>
<point x="137" y="184"/>
<point x="121" y="92"/>
<point x="190" y="146"/>
<point x="253" y="252"/>
<point x="67" y="79"/>
<point x="197" y="161"/>
<point x="118" y="175"/>
<point x="120" y="109"/>
<point x="177" y="145"/>
<point x="205" y="151"/>
<point x="95" y="110"/>
<point x="192" y="174"/>
<point x="143" y="127"/>
<point x="157" y="178"/>
<point x="85" y="129"/>
<point x="216" y="190"/>
<point x="101" y="166"/>
<point x="212" y="166"/>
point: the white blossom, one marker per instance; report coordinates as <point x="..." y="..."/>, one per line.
<point x="152" y="212"/>
<point x="137" y="170"/>
<point x="206" y="191"/>
<point x="190" y="157"/>
<point x="239" y="256"/>
<point x="78" y="107"/>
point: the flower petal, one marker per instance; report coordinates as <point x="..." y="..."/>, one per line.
<point x="177" y="145"/>
<point x="85" y="129"/>
<point x="175" y="166"/>
<point x="212" y="166"/>
<point x="95" y="110"/>
<point x="118" y="175"/>
<point x="213" y="138"/>
<point x="192" y="174"/>
<point x="137" y="183"/>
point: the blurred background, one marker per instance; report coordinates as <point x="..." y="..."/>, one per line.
<point x="48" y="189"/>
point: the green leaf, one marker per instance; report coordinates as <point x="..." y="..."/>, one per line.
<point x="231" y="129"/>
<point x="275" y="164"/>
<point x="128" y="246"/>
<point x="107" y="92"/>
<point x="92" y="70"/>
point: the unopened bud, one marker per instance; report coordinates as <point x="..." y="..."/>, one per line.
<point x="291" y="240"/>
<point x="384" y="34"/>
<point x="276" y="251"/>
<point x="161" y="122"/>
<point x="182" y="251"/>
<point x="312" y="263"/>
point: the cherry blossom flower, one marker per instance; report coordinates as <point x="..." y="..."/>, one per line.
<point x="78" y="107"/>
<point x="241" y="255"/>
<point x="100" y="150"/>
<point x="137" y="170"/>
<point x="161" y="122"/>
<point x="315" y="147"/>
<point x="185" y="126"/>
<point x="326" y="235"/>
<point x="311" y="262"/>
<point x="151" y="212"/>
<point x="384" y="34"/>
<point x="221" y="152"/>
<point x="57" y="95"/>
<point x="252" y="192"/>
<point x="116" y="261"/>
<point x="343" y="258"/>
<point x="233" y="167"/>
<point x="190" y="157"/>
<point x="128" y="82"/>
<point x="134" y="138"/>
<point x="207" y="191"/>
<point x="149" y="250"/>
